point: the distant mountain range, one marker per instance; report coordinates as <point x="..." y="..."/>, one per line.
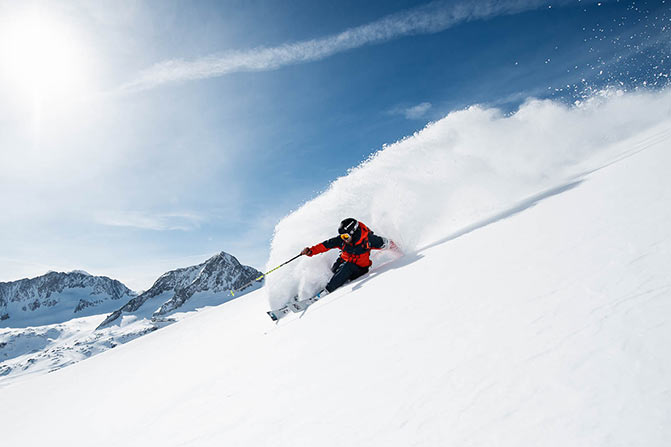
<point x="57" y="297"/>
<point x="54" y="320"/>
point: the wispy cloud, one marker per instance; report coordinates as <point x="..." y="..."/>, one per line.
<point x="430" y="18"/>
<point x="415" y="112"/>
<point x="149" y="221"/>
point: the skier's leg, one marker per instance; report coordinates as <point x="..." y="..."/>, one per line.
<point x="359" y="273"/>
<point x="347" y="271"/>
<point x="337" y="264"/>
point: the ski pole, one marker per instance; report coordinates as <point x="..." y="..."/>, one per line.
<point x="268" y="272"/>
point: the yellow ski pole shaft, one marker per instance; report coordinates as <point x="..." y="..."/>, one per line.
<point x="261" y="277"/>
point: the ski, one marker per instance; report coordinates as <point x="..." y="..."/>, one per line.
<point x="300" y="306"/>
<point x="294" y="305"/>
<point x="277" y="314"/>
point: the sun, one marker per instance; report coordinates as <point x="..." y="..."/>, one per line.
<point x="42" y="56"/>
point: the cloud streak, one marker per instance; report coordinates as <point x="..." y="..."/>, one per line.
<point x="412" y="113"/>
<point x="155" y="222"/>
<point x="427" y="19"/>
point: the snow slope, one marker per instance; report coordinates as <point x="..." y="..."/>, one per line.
<point x="29" y="351"/>
<point x="544" y="323"/>
<point x="461" y="169"/>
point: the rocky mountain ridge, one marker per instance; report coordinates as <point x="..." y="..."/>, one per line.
<point x="221" y="273"/>
<point x="58" y="296"/>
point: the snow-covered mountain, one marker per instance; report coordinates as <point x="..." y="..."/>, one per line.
<point x="540" y="319"/>
<point x="57" y="297"/>
<point x="175" y="295"/>
<point x="218" y="275"/>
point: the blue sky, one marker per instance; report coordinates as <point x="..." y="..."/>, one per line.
<point x="138" y="137"/>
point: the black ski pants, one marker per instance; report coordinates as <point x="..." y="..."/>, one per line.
<point x="344" y="271"/>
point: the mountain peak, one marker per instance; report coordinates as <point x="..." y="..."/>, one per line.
<point x="222" y="255"/>
<point x="217" y="275"/>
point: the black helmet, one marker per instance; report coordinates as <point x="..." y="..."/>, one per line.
<point x="349" y="227"/>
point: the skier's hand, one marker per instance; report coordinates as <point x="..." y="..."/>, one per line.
<point x="392" y="246"/>
<point x="306" y="251"/>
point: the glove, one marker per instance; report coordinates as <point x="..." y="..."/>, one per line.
<point x="306" y="251"/>
<point x="390" y="245"/>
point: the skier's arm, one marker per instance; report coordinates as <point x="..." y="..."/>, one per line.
<point x="380" y="243"/>
<point x="327" y="245"/>
<point x="377" y="242"/>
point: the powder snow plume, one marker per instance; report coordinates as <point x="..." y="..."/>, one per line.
<point x="472" y="164"/>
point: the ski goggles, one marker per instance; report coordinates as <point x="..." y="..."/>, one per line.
<point x="345" y="237"/>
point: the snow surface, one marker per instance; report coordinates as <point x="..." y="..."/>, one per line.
<point x="468" y="166"/>
<point x="543" y="322"/>
<point x="29" y="351"/>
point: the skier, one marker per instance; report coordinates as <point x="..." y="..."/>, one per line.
<point x="355" y="242"/>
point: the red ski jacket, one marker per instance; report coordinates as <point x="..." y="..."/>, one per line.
<point x="358" y="252"/>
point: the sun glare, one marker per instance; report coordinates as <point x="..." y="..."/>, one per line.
<point x="42" y="57"/>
